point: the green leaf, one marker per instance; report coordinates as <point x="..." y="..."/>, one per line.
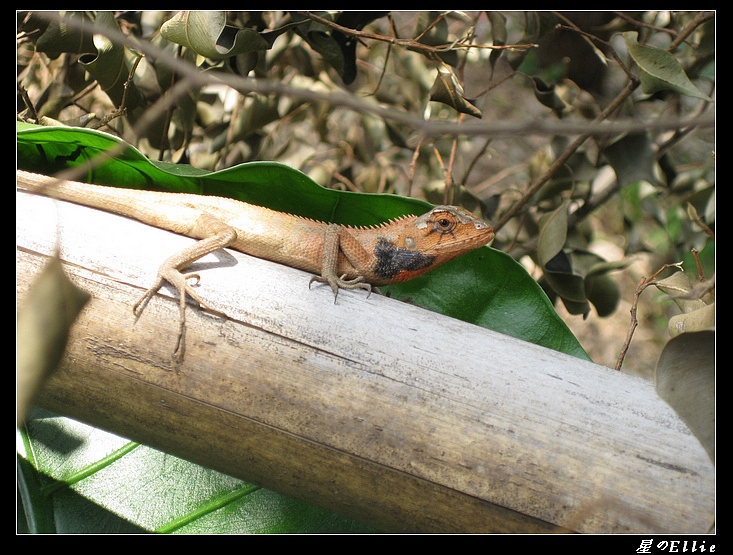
<point x="553" y="234"/>
<point x="486" y="287"/>
<point x="659" y="70"/>
<point x="320" y="39"/>
<point x="685" y="378"/>
<point x="336" y="47"/>
<point x="76" y="479"/>
<point x="632" y="158"/>
<point x="602" y="291"/>
<point x="356" y="20"/>
<point x="499" y="35"/>
<point x="107" y="64"/>
<point x="207" y="34"/>
<point x="105" y="61"/>
<point x="58" y="37"/>
<point x="279" y="187"/>
<point x="547" y="95"/>
<point x="445" y="89"/>
<point x="577" y="276"/>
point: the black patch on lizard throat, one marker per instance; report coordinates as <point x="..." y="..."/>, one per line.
<point x="392" y="260"/>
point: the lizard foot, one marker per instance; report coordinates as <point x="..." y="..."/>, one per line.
<point x="337" y="283"/>
<point x="180" y="282"/>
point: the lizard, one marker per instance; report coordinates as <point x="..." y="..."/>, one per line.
<point x="340" y="256"/>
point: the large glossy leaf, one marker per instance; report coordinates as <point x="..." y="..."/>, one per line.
<point x="465" y="288"/>
<point x="75" y="479"/>
<point x="485" y="287"/>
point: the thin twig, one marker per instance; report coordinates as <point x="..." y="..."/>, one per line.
<point x="247" y="85"/>
<point x="409" y="43"/>
<point x="569" y="151"/>
<point x="413" y="165"/>
<point x="616" y="103"/>
<point x="474" y="160"/>
<point x="345" y="181"/>
<point x="122" y="108"/>
<point x="638" y="23"/>
<point x="701" y="18"/>
<point x="700" y="273"/>
<point x="29" y="103"/>
<point x="643" y="284"/>
<point x="697" y="220"/>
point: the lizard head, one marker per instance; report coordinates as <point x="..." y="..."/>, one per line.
<point x="422" y="243"/>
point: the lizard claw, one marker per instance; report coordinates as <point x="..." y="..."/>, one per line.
<point x="337" y="283"/>
<point x="180" y="282"/>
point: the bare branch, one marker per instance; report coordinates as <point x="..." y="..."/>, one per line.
<point x="433" y="128"/>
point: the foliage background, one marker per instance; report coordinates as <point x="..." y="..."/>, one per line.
<point x="354" y="100"/>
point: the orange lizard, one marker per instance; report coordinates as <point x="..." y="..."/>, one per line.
<point x="341" y="256"/>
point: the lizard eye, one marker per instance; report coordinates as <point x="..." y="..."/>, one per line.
<point x="445" y="224"/>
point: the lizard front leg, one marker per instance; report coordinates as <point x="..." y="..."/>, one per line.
<point x="220" y="235"/>
<point x="332" y="244"/>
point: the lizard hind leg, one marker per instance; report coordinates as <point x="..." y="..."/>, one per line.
<point x="170" y="271"/>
